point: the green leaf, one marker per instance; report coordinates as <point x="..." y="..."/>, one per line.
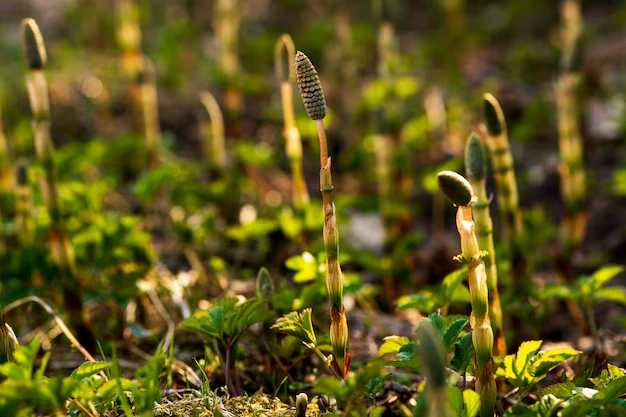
<point x="615" y="389"/>
<point x="227" y="319"/>
<point x="463" y="353"/>
<point x="585" y="371"/>
<point x="545" y="362"/>
<point x="411" y="363"/>
<point x="519" y="410"/>
<point x="562" y="391"/>
<point x="305" y="265"/>
<point x="374" y="385"/>
<point x="509" y="370"/>
<point x="392" y="344"/>
<point x="615" y="371"/>
<point x="298" y="325"/>
<point x="450" y="283"/>
<point x="88" y="369"/>
<point x="437" y="321"/>
<point x="452" y="333"/>
<point x="546" y="406"/>
<point x="471" y="400"/>
<point x="611" y="294"/>
<point x="605" y="274"/>
<point x="558" y="291"/>
<point x="526" y="351"/>
<point x="108" y="391"/>
<point x="455" y="401"/>
<point x="425" y="302"/>
<point x="243" y="316"/>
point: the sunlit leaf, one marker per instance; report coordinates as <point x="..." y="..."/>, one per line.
<point x="546" y="361"/>
<point x="471" y="400"/>
<point x="392" y="344"/>
<point x="605" y="274"/>
<point x="88" y="369"/>
<point x="526" y="351"/>
<point x="298" y="325"/>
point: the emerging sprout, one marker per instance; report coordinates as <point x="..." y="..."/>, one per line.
<point x="34" y="48"/>
<point x="494" y="118"/>
<point x="264" y="285"/>
<point x="301" y="402"/>
<point x="455" y="187"/>
<point x="310" y="87"/>
<point x="8" y="341"/>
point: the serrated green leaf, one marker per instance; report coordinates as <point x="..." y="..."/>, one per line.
<point x="452" y="333"/>
<point x="227" y="319"/>
<point x="562" y="391"/>
<point x="392" y="344"/>
<point x="615" y="371"/>
<point x="547" y="405"/>
<point x="509" y="370"/>
<point x="438" y="322"/>
<point x="298" y="325"/>
<point x="88" y="369"/>
<point x="374" y="385"/>
<point x="526" y="351"/>
<point x="549" y="360"/>
<point x="413" y="363"/>
<point x="463" y="353"/>
<point x="471" y="400"/>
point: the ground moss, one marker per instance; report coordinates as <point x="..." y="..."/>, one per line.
<point x="258" y="404"/>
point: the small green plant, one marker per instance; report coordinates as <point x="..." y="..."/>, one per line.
<point x="588" y="291"/>
<point x="315" y="105"/>
<point x="459" y="192"/>
<point x="430" y="300"/>
<point x="26" y="391"/>
<point x="445" y="336"/>
<point x="300" y="326"/>
<point x="222" y="325"/>
<point x="302" y="400"/>
<point x="529" y="365"/>
<point x="8" y="341"/>
<point x="566" y="398"/>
